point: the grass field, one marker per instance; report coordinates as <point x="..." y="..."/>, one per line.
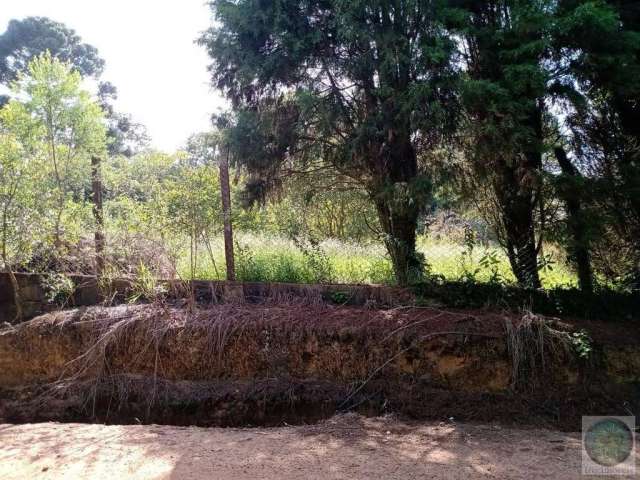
<point x="274" y="259"/>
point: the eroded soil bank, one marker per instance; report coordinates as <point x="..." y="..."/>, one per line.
<point x="269" y="364"/>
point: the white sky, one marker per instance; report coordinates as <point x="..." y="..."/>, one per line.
<point x="150" y="55"/>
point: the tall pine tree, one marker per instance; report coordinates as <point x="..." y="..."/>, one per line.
<point x="361" y="86"/>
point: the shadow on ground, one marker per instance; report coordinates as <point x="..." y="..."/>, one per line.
<point x="346" y="446"/>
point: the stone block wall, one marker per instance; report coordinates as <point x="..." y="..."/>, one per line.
<point x="34" y="296"/>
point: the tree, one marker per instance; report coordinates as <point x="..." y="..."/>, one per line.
<point x="99" y="239"/>
<point x="13" y="205"/>
<point x="324" y="207"/>
<point x="570" y="185"/>
<point x="126" y="137"/>
<point x="21" y="174"/>
<point x="194" y="206"/>
<point x="225" y="193"/>
<point x="212" y="195"/>
<point x="362" y="89"/>
<point x="62" y="127"/>
<point x="203" y="148"/>
<point x="29" y="38"/>
<point x="504" y="90"/>
<point x="598" y="44"/>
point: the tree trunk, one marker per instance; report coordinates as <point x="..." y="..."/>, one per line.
<point x="516" y="202"/>
<point x="521" y="248"/>
<point x="98" y="215"/>
<point x="579" y="243"/>
<point x="517" y="187"/>
<point x="17" y="300"/>
<point x="398" y="202"/>
<point x="399" y="228"/>
<point x="226" y="212"/>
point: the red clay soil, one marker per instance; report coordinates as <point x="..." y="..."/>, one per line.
<point x="238" y="341"/>
<point x="268" y="364"/>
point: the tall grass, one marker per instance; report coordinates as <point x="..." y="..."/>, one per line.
<point x="275" y="259"/>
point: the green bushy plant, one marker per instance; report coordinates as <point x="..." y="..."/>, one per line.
<point x="145" y="286"/>
<point x="58" y="288"/>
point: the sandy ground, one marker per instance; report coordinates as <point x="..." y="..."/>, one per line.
<point x="347" y="446"/>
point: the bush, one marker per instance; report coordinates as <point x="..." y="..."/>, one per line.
<point x="58" y="288"/>
<point x="604" y="304"/>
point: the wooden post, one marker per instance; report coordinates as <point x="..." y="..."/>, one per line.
<point x="98" y="215"/>
<point x="226" y="213"/>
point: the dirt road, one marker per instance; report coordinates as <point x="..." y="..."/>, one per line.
<point x="347" y="446"/>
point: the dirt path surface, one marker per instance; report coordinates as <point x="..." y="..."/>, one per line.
<point x="347" y="446"/>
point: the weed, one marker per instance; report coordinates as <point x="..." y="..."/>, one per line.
<point x="316" y="259"/>
<point x="491" y="263"/>
<point x="58" y="288"/>
<point x="582" y="344"/>
<point x="277" y="259"/>
<point x="536" y="343"/>
<point x="145" y="287"/>
<point x="340" y="298"/>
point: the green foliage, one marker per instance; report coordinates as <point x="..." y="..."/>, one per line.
<point x="192" y="197"/>
<point x="277" y="259"/>
<point x="362" y="88"/>
<point x="58" y="288"/>
<point x="502" y="91"/>
<point x="604" y="304"/>
<point x="340" y="298"/>
<point x="582" y="344"/>
<point x="56" y="128"/>
<point x="316" y="259"/>
<point x="26" y="39"/>
<point x="352" y="123"/>
<point x="274" y="265"/>
<point x="475" y="267"/>
<point x="145" y="286"/>
<point x="309" y="204"/>
<point x="600" y="43"/>
<point x="16" y="200"/>
<point x="491" y="263"/>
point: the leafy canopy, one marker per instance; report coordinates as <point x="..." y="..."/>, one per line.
<point x="26" y="39"/>
<point x="57" y="127"/>
<point x="333" y="80"/>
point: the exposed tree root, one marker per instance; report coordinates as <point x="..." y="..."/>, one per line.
<point x="534" y="345"/>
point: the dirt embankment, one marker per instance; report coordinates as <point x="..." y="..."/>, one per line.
<point x="259" y="364"/>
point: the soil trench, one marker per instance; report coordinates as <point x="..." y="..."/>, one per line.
<point x="239" y="365"/>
